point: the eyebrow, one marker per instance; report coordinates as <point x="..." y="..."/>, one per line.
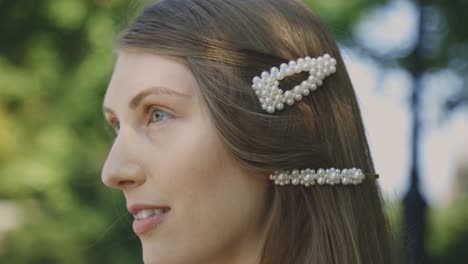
<point x="158" y="90"/>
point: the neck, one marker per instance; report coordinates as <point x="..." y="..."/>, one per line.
<point x="247" y="251"/>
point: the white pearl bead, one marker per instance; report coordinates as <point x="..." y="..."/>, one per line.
<point x="320" y="74"/>
<point x="297" y="69"/>
<point x="274" y="70"/>
<point x="297" y="97"/>
<point x="281" y="75"/>
<point x="296" y="89"/>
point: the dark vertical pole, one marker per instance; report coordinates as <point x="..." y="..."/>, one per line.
<point x="414" y="203"/>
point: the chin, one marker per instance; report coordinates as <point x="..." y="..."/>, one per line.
<point x="154" y="258"/>
<point x="154" y="255"/>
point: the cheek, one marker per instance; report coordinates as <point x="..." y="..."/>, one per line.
<point x="221" y="204"/>
<point x="196" y="162"/>
<point x="213" y="202"/>
<point x="189" y="157"/>
<point x="186" y="158"/>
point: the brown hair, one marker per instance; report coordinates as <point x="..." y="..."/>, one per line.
<point x="226" y="43"/>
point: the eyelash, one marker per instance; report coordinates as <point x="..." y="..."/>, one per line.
<point x="151" y="111"/>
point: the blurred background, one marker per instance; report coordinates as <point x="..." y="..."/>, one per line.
<point x="408" y="60"/>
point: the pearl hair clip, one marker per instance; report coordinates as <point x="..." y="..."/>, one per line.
<point x="308" y="177"/>
<point x="272" y="98"/>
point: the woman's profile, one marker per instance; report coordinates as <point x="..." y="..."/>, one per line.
<point x="239" y="138"/>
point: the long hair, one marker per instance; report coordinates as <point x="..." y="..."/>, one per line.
<point x="226" y="43"/>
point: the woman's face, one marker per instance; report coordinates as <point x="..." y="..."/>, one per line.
<point x="167" y="154"/>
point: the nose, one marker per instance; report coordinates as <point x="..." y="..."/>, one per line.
<point x="122" y="170"/>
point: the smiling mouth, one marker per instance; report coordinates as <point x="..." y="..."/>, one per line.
<point x="148" y="219"/>
<point x="147" y="213"/>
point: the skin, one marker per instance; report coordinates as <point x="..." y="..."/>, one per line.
<point x="167" y="152"/>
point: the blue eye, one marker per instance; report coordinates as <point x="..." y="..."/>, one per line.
<point x="158" y="115"/>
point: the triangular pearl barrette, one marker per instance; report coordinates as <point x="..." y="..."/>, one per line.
<point x="272" y="98"/>
<point x="332" y="176"/>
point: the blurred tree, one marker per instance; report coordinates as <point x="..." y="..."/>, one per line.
<point x="441" y="45"/>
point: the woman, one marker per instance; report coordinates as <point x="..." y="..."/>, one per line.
<point x="218" y="166"/>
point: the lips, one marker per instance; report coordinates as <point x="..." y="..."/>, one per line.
<point x="151" y="221"/>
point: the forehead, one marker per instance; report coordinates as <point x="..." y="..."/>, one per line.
<point x="136" y="71"/>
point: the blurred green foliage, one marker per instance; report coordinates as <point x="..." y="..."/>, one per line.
<point x="55" y="63"/>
